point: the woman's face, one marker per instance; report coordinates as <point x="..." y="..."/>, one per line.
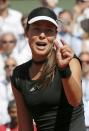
<point x="41" y="35"/>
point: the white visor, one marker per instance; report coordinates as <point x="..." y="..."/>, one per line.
<point x="37" y="18"/>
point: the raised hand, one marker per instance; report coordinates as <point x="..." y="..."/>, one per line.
<point x="63" y="54"/>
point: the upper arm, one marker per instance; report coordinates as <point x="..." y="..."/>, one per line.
<point x="76" y="69"/>
<point x="24" y="116"/>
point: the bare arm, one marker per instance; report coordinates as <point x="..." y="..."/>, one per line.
<point x="24" y="116"/>
<point x="72" y="85"/>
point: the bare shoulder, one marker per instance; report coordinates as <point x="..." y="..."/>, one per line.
<point x="75" y="66"/>
<point x="75" y="62"/>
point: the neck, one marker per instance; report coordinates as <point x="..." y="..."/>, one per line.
<point x="36" y="70"/>
<point x="86" y="75"/>
<point x="37" y="66"/>
<point x="4" y="13"/>
<point x="13" y="124"/>
<point x="38" y="62"/>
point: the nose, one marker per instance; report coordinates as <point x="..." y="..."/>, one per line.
<point x="42" y="35"/>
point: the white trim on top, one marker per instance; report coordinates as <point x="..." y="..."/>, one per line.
<point x="37" y="18"/>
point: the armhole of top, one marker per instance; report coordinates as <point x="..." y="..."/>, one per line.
<point x="78" y="60"/>
<point x="14" y="79"/>
<point x="18" y="72"/>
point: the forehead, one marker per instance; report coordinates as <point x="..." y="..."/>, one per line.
<point x="65" y="15"/>
<point x="7" y="36"/>
<point x="10" y="61"/>
<point x="13" y="108"/>
<point x="43" y="23"/>
<point x="85" y="56"/>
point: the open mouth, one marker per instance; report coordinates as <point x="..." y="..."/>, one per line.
<point x="41" y="44"/>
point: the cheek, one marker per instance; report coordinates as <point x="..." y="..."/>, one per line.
<point x="32" y="40"/>
<point x="5" y="46"/>
<point x="51" y="39"/>
<point x="8" y="46"/>
<point x="11" y="46"/>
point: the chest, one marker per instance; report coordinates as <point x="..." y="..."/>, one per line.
<point x="34" y="95"/>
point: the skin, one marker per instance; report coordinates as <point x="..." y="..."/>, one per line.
<point x="10" y="64"/>
<point x="8" y="43"/>
<point x="85" y="67"/>
<point x="64" y="56"/>
<point x="79" y="8"/>
<point x="3" y="4"/>
<point x="13" y="115"/>
<point x="52" y="4"/>
<point x="49" y="3"/>
<point x="4" y="8"/>
<point x="67" y="19"/>
<point x="38" y="32"/>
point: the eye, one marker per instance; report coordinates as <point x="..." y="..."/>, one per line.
<point x="36" y="30"/>
<point x="50" y="31"/>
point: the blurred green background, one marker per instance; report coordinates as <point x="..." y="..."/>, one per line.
<point x="25" y="6"/>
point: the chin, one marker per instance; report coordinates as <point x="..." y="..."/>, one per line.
<point x="41" y="51"/>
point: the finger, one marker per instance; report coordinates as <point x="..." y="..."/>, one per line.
<point x="58" y="55"/>
<point x="63" y="42"/>
<point x="58" y="44"/>
<point x="66" y="61"/>
<point x="66" y="50"/>
<point x="66" y="54"/>
<point x="63" y="63"/>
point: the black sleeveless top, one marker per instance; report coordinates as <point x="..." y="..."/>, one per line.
<point x="49" y="106"/>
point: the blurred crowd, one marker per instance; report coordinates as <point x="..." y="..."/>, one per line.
<point x="73" y="29"/>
